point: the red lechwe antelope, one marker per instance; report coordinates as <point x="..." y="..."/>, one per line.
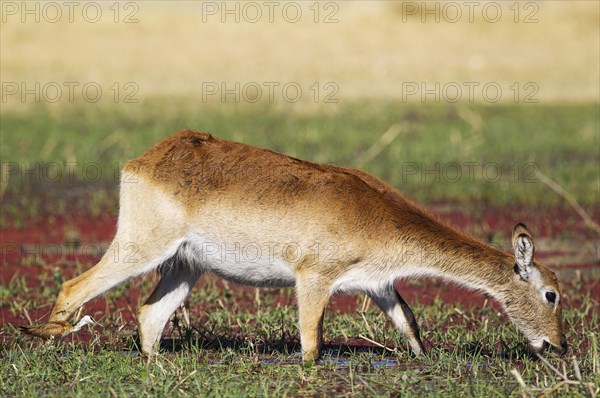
<point x="195" y="203"/>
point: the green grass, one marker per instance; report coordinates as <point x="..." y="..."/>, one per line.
<point x="238" y="352"/>
<point x="443" y="151"/>
<point x="241" y="348"/>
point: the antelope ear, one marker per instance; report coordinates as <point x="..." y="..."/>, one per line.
<point x="524" y="249"/>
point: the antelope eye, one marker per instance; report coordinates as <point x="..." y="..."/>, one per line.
<point x="551" y="297"/>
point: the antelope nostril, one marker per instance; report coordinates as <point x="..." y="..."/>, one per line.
<point x="564" y="346"/>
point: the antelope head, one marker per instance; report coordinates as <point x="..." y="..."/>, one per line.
<point x="534" y="299"/>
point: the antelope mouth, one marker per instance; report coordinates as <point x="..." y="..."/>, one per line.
<point x="544" y="344"/>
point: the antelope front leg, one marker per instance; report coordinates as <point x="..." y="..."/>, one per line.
<point x="313" y="296"/>
<point x="401" y="315"/>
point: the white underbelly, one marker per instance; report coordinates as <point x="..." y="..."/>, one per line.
<point x="247" y="263"/>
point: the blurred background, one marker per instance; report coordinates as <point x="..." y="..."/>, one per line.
<point x="169" y="49"/>
<point x="454" y="102"/>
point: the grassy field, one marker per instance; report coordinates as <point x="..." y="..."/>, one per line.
<point x="234" y="351"/>
<point x="240" y="347"/>
<point x="444" y="152"/>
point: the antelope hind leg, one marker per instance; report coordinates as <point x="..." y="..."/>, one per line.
<point x="116" y="266"/>
<point x="172" y="289"/>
